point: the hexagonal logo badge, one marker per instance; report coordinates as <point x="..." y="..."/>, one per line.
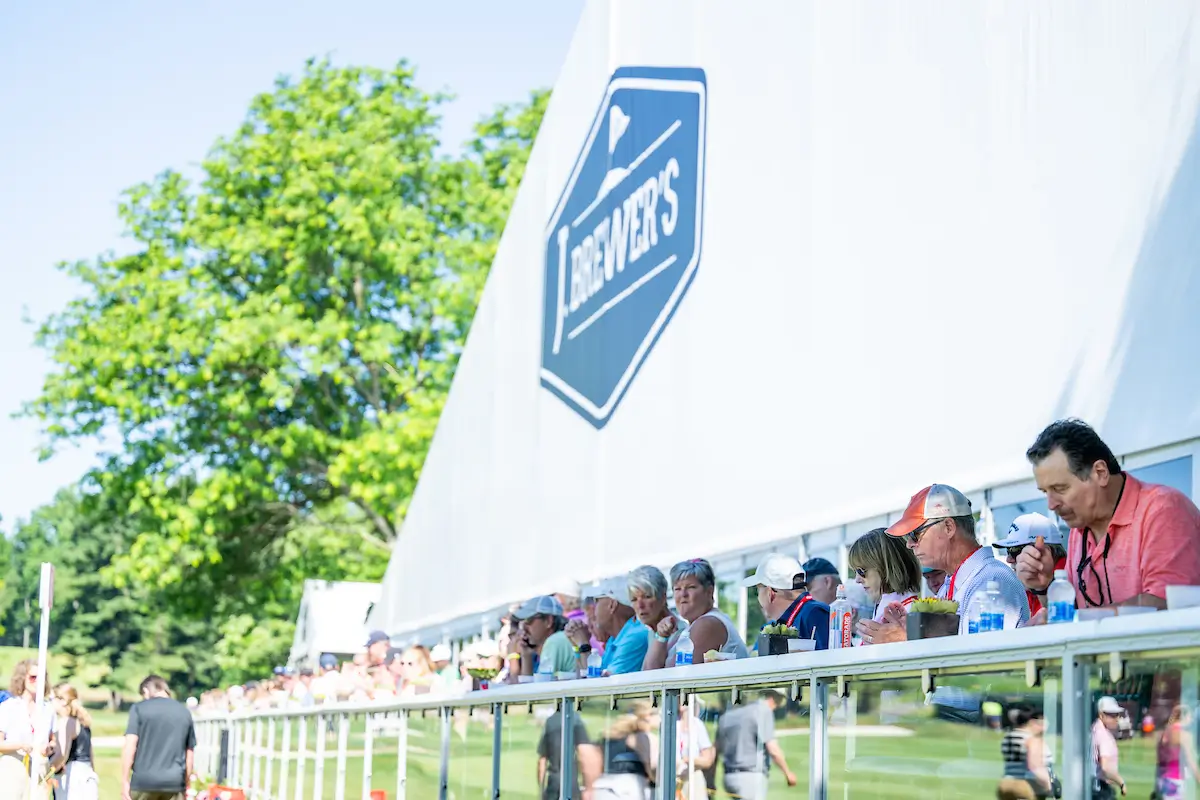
<point x="623" y="243"/>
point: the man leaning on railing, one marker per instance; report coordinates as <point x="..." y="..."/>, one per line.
<point x="1129" y="540"/>
<point x="939" y="527"/>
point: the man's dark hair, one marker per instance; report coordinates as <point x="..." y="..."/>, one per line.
<point x="1022" y="713"/>
<point x="154" y="684"/>
<point x="1079" y="442"/>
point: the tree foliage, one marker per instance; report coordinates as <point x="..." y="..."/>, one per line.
<point x="281" y="337"/>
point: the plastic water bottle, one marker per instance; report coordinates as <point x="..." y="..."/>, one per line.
<point x="593" y="664"/>
<point x="975" y="613"/>
<point x="993" y="609"/>
<point x="841" y="621"/>
<point x="684" y="649"/>
<point x="1060" y="599"/>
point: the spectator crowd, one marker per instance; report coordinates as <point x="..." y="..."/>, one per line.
<point x="1128" y="542"/>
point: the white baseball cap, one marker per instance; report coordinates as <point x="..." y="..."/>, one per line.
<point x="777" y="571"/>
<point x="440" y="652"/>
<point x="486" y="648"/>
<point x="1027" y="527"/>
<point x="615" y="588"/>
<point x="1109" y="705"/>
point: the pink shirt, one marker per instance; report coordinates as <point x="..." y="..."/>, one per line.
<point x="1154" y="542"/>
<point x="1103" y="744"/>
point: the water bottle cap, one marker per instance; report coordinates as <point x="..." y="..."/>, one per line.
<point x="841" y="590"/>
<point x="1060" y="574"/>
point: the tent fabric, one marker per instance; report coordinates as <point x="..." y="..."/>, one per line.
<point x="928" y="230"/>
<point x="332" y="619"/>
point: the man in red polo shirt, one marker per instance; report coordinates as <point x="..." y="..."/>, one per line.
<point x="1129" y="540"/>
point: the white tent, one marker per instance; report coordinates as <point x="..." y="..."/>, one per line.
<point x="775" y="266"/>
<point x="332" y="619"/>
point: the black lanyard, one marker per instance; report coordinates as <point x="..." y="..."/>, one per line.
<point x="1085" y="558"/>
<point x="1085" y="562"/>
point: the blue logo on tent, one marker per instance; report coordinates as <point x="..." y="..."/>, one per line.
<point x="623" y="243"/>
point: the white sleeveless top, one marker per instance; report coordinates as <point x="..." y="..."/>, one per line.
<point x="733" y="639"/>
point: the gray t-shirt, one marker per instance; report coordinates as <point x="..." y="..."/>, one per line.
<point x="742" y="736"/>
<point x="165" y="734"/>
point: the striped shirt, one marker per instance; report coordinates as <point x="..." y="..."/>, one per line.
<point x="973" y="576"/>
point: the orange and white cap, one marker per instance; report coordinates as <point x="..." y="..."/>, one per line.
<point x="937" y="501"/>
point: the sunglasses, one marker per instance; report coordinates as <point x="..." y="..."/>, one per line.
<point x="915" y="536"/>
<point x="860" y="572"/>
<point x="1013" y="552"/>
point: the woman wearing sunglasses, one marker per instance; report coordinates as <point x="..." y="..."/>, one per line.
<point x="26" y="731"/>
<point x="887" y="569"/>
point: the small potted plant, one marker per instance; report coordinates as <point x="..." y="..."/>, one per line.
<point x="481" y="677"/>
<point x="774" y="640"/>
<point x="929" y="618"/>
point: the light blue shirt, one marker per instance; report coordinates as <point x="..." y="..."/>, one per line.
<point x="626" y="651"/>
<point x="973" y="576"/>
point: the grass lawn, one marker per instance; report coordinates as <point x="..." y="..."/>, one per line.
<point x="940" y="759"/>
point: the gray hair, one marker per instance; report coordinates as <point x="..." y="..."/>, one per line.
<point x="698" y="568"/>
<point x="649" y="581"/>
<point x="966" y="526"/>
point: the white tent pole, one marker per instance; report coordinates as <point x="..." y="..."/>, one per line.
<point x="41" y="733"/>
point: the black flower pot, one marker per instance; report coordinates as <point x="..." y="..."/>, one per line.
<point x="923" y="625"/>
<point x="773" y="644"/>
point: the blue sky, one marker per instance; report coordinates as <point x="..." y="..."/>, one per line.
<point x="95" y="97"/>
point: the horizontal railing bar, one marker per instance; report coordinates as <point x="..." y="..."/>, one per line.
<point x="1167" y="630"/>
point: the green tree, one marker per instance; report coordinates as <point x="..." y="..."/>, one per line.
<point x="115" y="633"/>
<point x="284" y="331"/>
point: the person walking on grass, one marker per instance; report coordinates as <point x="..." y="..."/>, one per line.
<point x="160" y="742"/>
<point x="77" y="778"/>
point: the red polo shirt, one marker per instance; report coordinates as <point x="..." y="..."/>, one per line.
<point x="1152" y="542"/>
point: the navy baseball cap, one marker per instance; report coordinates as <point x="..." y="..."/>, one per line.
<point x="376" y="637"/>
<point x="819" y="566"/>
<point x="328" y="661"/>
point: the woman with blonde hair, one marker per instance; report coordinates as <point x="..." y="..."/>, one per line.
<point x="416" y="671"/>
<point x="885" y="567"/>
<point x="77" y="779"/>
<point x="630" y="751"/>
<point x="26" y="731"/>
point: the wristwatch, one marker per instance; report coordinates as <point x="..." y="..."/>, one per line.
<point x="584" y="648"/>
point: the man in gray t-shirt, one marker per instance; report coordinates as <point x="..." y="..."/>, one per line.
<point x="745" y="738"/>
<point x="159" y="745"/>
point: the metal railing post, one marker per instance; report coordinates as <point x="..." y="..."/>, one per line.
<point x="301" y="753"/>
<point x="270" y="756"/>
<point x="566" y="773"/>
<point x="497" y="746"/>
<point x="343" y="742"/>
<point x="256" y="763"/>
<point x="402" y="755"/>
<point x="1076" y="733"/>
<point x="319" y="766"/>
<point x="285" y="758"/>
<point x="368" y="754"/>
<point x="667" y="746"/>
<point x="818" y="740"/>
<point x="444" y="768"/>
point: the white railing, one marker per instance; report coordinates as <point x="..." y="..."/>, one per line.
<point x="1064" y="668"/>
